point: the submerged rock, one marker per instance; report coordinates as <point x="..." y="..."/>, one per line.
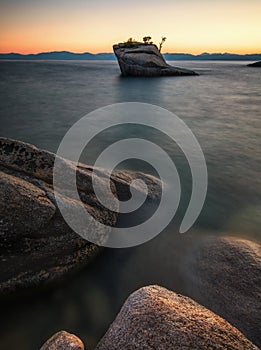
<point x="138" y="59"/>
<point x="156" y="318"/>
<point x="36" y="245"/>
<point x="63" y="341"/>
<point x="256" y="64"/>
<point x="224" y="274"/>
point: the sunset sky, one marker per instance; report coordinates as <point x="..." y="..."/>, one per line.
<point x="191" y="26"/>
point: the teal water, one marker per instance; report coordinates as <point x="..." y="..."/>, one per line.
<point x="41" y="100"/>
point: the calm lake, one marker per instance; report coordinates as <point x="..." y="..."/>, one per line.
<point x="41" y="100"/>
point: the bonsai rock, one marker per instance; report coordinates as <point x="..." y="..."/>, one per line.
<point x="138" y="59"/>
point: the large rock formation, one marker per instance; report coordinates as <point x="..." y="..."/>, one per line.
<point x="36" y="244"/>
<point x="255" y="64"/>
<point x="138" y="59"/>
<point x="155" y="318"/>
<point x="63" y="341"/>
<point x="224" y="274"/>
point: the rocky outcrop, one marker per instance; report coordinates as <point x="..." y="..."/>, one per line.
<point x="224" y="274"/>
<point x="256" y="64"/>
<point x="156" y="318"/>
<point x="63" y="341"/>
<point x="36" y="245"/>
<point x="138" y="59"/>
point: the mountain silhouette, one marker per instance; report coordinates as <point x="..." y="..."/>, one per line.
<point x="66" y="55"/>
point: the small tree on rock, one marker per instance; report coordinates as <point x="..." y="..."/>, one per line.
<point x="147" y="39"/>
<point x="163" y="39"/>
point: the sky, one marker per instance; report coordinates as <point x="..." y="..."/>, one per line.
<point x="191" y="26"/>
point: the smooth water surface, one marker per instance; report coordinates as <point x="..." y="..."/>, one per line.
<point x="41" y="100"/>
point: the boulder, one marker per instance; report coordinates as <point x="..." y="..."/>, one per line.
<point x="37" y="247"/>
<point x="138" y="59"/>
<point x="156" y="318"/>
<point x="63" y="341"/>
<point x="224" y="274"/>
<point x="255" y="64"/>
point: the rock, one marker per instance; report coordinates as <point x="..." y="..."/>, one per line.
<point x="63" y="341"/>
<point x="21" y="200"/>
<point x="138" y="59"/>
<point x="224" y="274"/>
<point x="36" y="245"/>
<point x="156" y="318"/>
<point x="256" y="64"/>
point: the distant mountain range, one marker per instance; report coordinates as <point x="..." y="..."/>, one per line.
<point x="213" y="56"/>
<point x="66" y="55"/>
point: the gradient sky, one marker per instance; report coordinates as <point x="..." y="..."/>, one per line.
<point x="191" y="26"/>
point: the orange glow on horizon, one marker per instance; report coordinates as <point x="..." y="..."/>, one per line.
<point x="22" y="51"/>
<point x="191" y="26"/>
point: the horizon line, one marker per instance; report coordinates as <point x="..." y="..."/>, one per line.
<point x="111" y="52"/>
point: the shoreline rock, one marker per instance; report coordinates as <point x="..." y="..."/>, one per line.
<point x="255" y="64"/>
<point x="156" y="318"/>
<point x="63" y="341"/>
<point x="145" y="60"/>
<point x="224" y="275"/>
<point x="37" y="247"/>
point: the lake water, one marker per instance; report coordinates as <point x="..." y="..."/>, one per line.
<point x="41" y="100"/>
